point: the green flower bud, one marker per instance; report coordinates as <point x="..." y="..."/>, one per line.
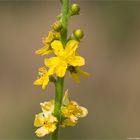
<point x="57" y="26"/>
<point x="74" y="9"/>
<point x="78" y="34"/>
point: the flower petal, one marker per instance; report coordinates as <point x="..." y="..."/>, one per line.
<point x="81" y="72"/>
<point x="47" y="107"/>
<point x="57" y="47"/>
<point x="84" y="111"/>
<point x="42" y="131"/>
<point x="61" y="69"/>
<point x="45" y="81"/>
<point x="49" y="38"/>
<point x="51" y="62"/>
<point x="68" y="122"/>
<point x="44" y="50"/>
<point x="77" y="61"/>
<point x="38" y="81"/>
<point x="71" y="47"/>
<point x="39" y="120"/>
<point x="74" y="76"/>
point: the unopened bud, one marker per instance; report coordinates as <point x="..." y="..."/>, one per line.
<point x="78" y="34"/>
<point x="74" y="9"/>
<point x="57" y="26"/>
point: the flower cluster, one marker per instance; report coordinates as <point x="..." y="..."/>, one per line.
<point x="63" y="57"/>
<point x="70" y="113"/>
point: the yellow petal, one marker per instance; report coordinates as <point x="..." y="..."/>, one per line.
<point x="61" y="69"/>
<point x="42" y="70"/>
<point x="45" y="81"/>
<point x="38" y="81"/>
<point x="57" y="47"/>
<point x="84" y="111"/>
<point x="42" y="131"/>
<point x="47" y="107"/>
<point x="77" y="61"/>
<point x="44" y="50"/>
<point x="71" y="46"/>
<point x="52" y="119"/>
<point x="51" y="62"/>
<point x="81" y="72"/>
<point x="49" y="38"/>
<point x="73" y="118"/>
<point x="68" y="122"/>
<point x="39" y="120"/>
<point x="74" y="76"/>
<point x="48" y="127"/>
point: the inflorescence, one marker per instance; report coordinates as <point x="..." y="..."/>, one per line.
<point x="63" y="58"/>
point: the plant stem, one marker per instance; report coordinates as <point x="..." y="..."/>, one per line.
<point x="64" y="11"/>
<point x="59" y="82"/>
<point x="58" y="101"/>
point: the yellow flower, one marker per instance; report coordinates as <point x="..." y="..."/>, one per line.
<point x="64" y="57"/>
<point x="47" y="124"/>
<point x="45" y="120"/>
<point x="46" y="41"/>
<point x="76" y="72"/>
<point x="43" y="78"/>
<point x="51" y="36"/>
<point x="71" y="111"/>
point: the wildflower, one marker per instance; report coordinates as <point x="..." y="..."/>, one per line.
<point x="45" y="120"/>
<point x="47" y="124"/>
<point x="52" y="36"/>
<point x="75" y="72"/>
<point x="64" y="57"/>
<point x="46" y="41"/>
<point x="71" y="111"/>
<point x="43" y="78"/>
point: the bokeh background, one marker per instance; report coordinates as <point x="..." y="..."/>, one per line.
<point x="111" y="47"/>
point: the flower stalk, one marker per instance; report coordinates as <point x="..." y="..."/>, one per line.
<point x="58" y="102"/>
<point x="61" y="111"/>
<point x="60" y="81"/>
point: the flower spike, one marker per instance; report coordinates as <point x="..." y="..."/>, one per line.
<point x="61" y="55"/>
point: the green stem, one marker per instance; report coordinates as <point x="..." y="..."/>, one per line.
<point x="59" y="82"/>
<point x="64" y="11"/>
<point x="58" y="101"/>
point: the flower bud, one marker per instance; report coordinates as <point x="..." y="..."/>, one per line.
<point x="74" y="9"/>
<point x="78" y="34"/>
<point x="57" y="26"/>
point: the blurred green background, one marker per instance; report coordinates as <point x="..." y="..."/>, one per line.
<point x="111" y="47"/>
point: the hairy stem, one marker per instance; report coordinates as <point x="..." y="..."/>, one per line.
<point x="59" y="82"/>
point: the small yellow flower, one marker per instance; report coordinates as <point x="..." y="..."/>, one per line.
<point x="71" y="111"/>
<point x="45" y="120"/>
<point x="64" y="57"/>
<point x="46" y="41"/>
<point x="43" y="78"/>
<point x="51" y="36"/>
<point x="76" y="72"/>
<point x="47" y="124"/>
